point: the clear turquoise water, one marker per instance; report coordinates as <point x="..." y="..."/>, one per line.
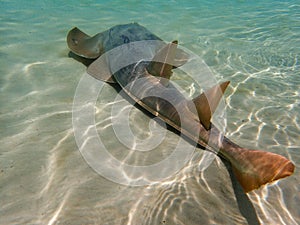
<point x="44" y="179"/>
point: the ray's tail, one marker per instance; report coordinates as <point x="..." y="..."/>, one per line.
<point x="254" y="168"/>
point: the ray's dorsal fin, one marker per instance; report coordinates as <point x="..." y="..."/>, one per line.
<point x="162" y="63"/>
<point x="181" y="58"/>
<point x="207" y="103"/>
<point x="83" y="45"/>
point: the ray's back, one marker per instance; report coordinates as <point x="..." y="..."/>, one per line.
<point x="126" y="33"/>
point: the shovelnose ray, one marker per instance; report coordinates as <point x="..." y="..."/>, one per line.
<point x="146" y="82"/>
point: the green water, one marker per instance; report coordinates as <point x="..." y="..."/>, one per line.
<point x="45" y="180"/>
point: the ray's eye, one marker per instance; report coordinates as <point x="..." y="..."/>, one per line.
<point x="75" y="41"/>
<point x="125" y="39"/>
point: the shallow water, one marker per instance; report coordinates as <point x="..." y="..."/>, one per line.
<point x="45" y="180"/>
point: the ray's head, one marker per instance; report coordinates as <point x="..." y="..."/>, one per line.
<point x="83" y="45"/>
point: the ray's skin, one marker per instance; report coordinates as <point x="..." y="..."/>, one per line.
<point x="146" y="82"/>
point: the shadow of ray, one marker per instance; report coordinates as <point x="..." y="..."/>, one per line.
<point x="244" y="203"/>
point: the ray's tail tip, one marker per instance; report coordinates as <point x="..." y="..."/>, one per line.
<point x="287" y="170"/>
<point x="254" y="168"/>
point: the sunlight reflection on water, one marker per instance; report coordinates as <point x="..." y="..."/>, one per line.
<point x="43" y="177"/>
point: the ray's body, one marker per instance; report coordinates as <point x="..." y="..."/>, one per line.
<point x="146" y="82"/>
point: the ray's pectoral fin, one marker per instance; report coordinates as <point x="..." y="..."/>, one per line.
<point x="99" y="69"/>
<point x="207" y="103"/>
<point x="163" y="62"/>
<point x="83" y="45"/>
<point x="88" y="47"/>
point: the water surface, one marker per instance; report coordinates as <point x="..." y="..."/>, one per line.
<point x="45" y="180"/>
